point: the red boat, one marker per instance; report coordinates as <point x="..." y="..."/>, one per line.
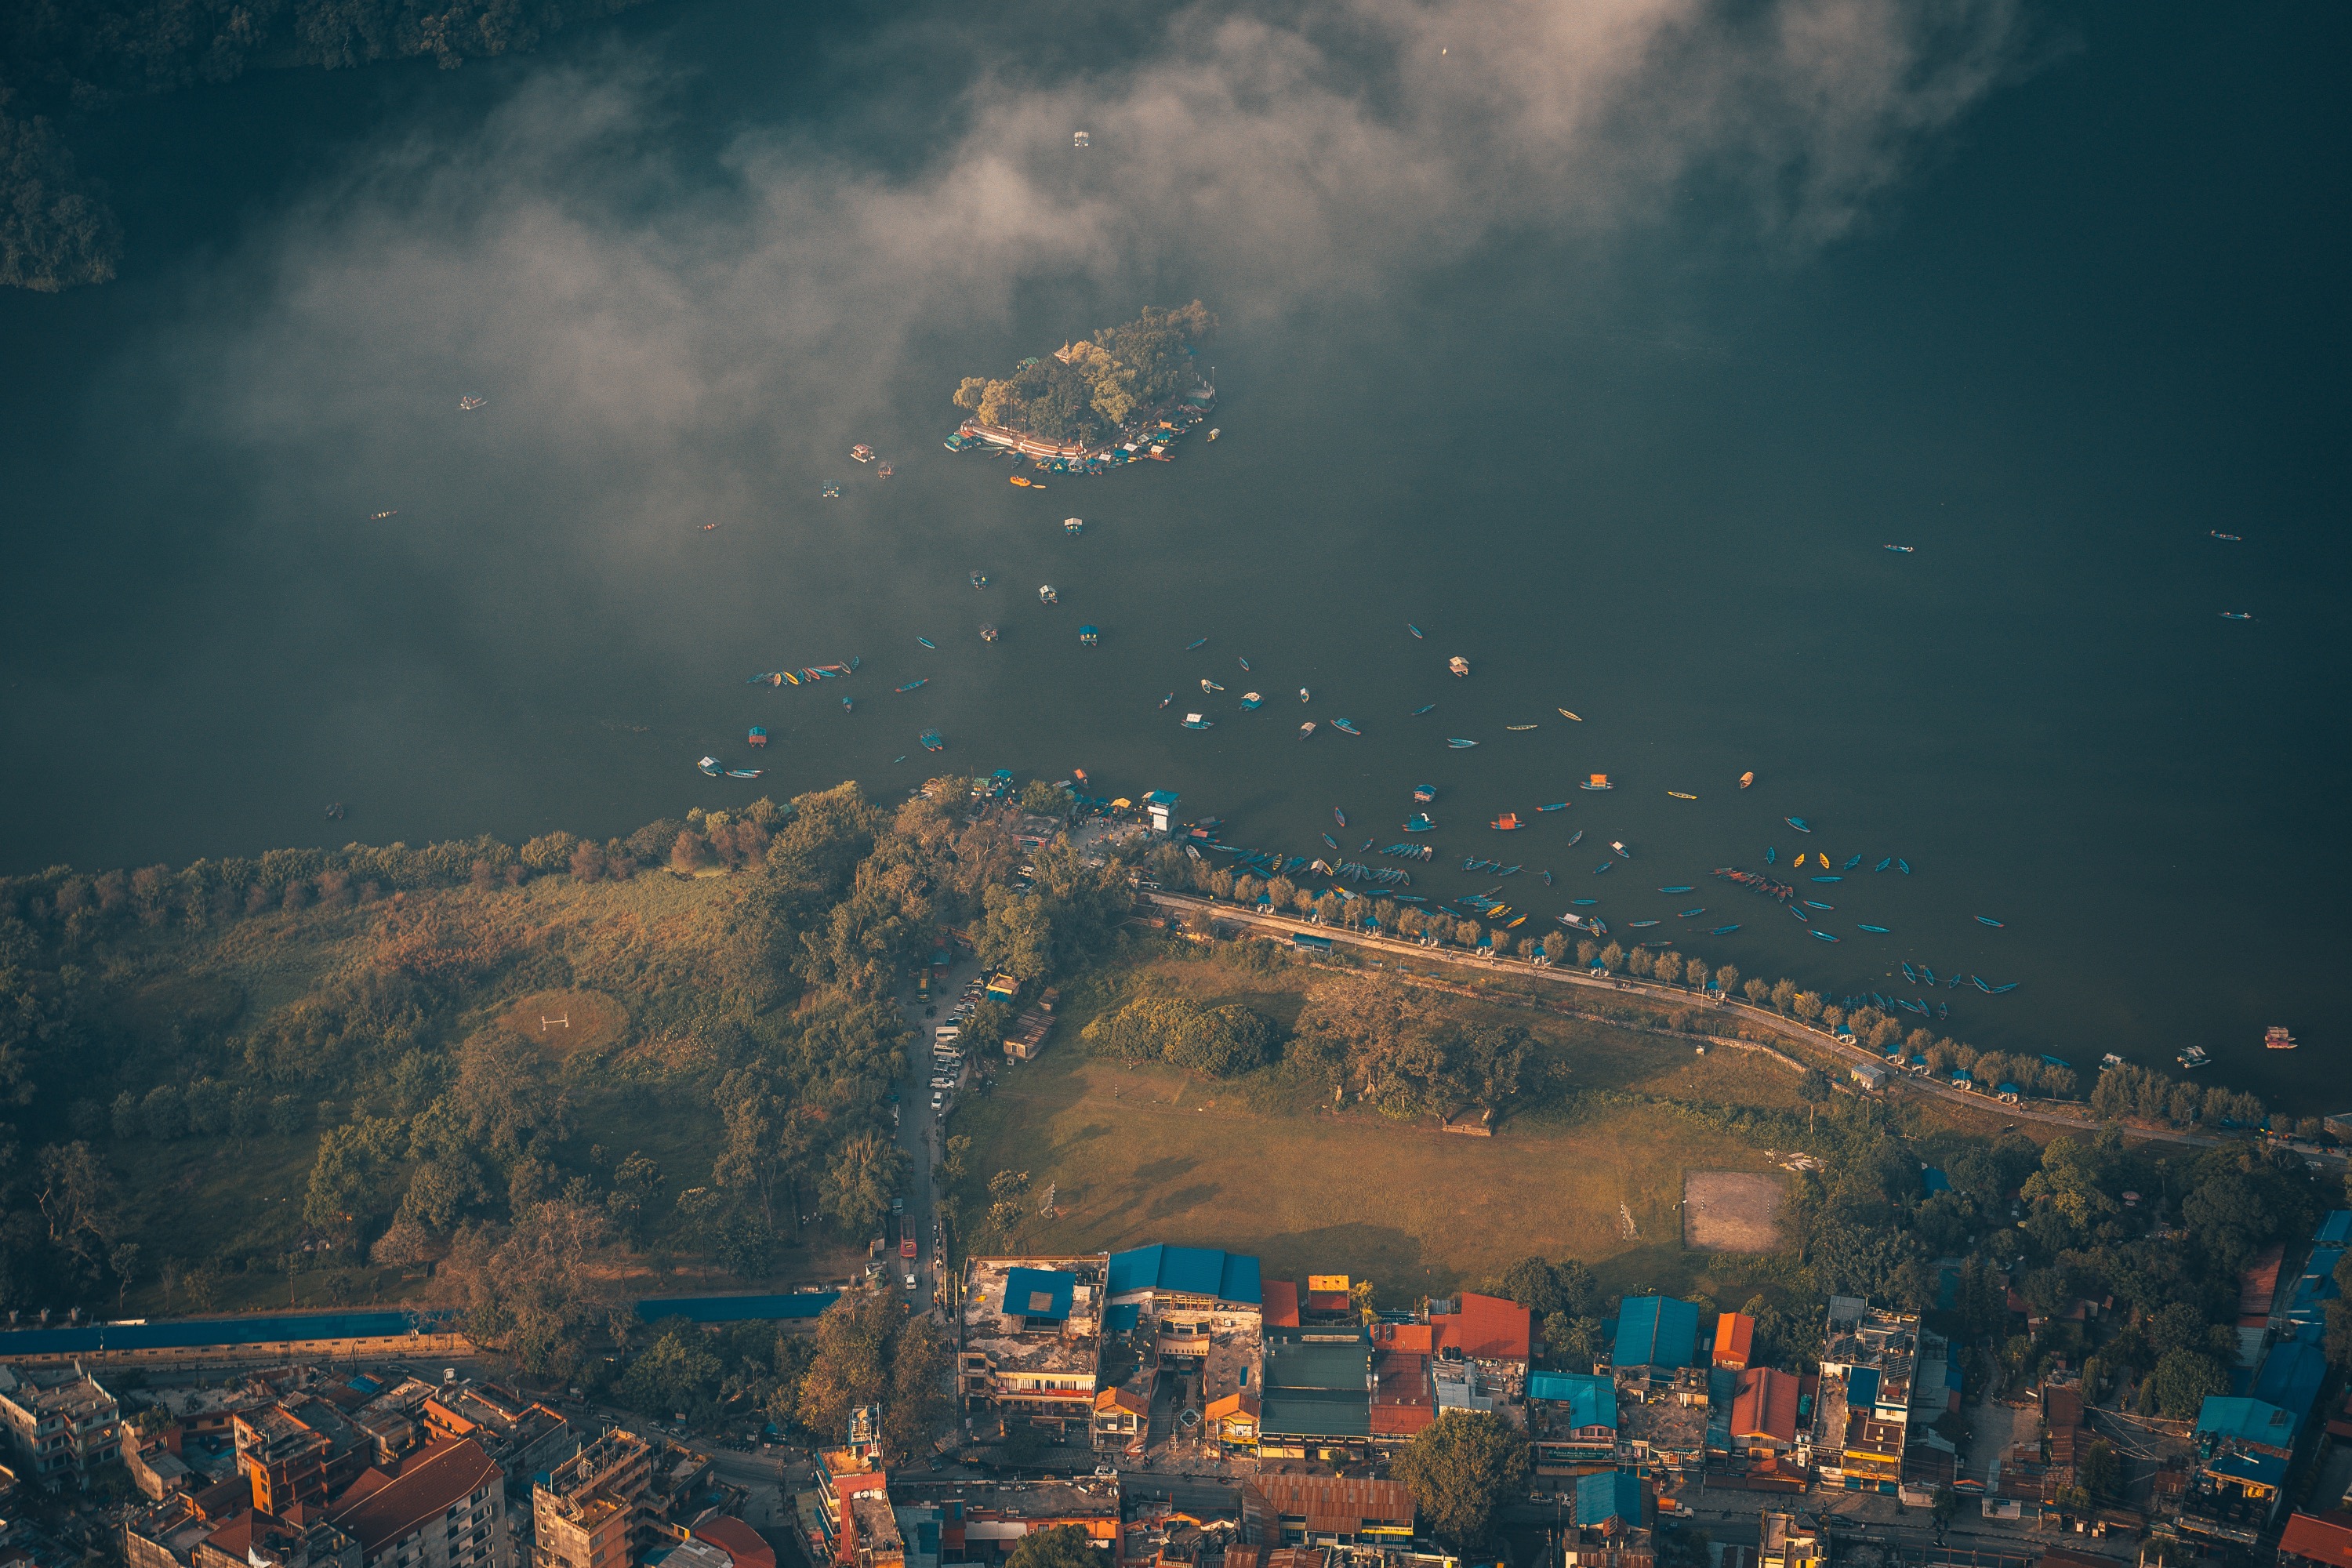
<point x="758" y="737"/>
<point x="1507" y="823"/>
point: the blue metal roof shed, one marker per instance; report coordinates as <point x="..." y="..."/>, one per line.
<point x="1590" y="1401"/>
<point x="1610" y="1494"/>
<point x="1655" y="1330"/>
<point x="1038" y="1293"/>
<point x="1186" y="1270"/>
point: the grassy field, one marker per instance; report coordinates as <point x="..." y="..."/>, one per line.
<point x="1151" y="1154"/>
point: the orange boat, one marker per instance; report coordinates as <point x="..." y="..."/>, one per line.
<point x="1507" y="823"/>
<point x="1746" y="779"/>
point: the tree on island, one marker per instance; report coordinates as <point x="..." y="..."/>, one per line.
<point x="1093" y="384"/>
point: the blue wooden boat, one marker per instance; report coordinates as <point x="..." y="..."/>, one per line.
<point x="1167" y="699"/>
<point x="709" y="766"/>
<point x="1419" y="822"/>
<point x="1824" y="936"/>
<point x="1978" y="981"/>
<point x="1817" y="904"/>
<point x="1604" y="865"/>
<point x="1883" y="864"/>
<point x="1850" y="865"/>
<point x="1251" y="702"/>
<point x="1413" y="629"/>
<point x="1914" y="979"/>
<point x="1770" y="854"/>
<point x="979" y="579"/>
<point x="1637" y="925"/>
<point x="1881" y="930"/>
<point x="1196" y="642"/>
<point x="1339" y="816"/>
<point x="1987" y="920"/>
<point x="1547" y="877"/>
<point x="929" y="644"/>
<point x="1244" y="664"/>
<point x="1686" y="914"/>
<point x="1555" y="806"/>
<point x="1904" y="867"/>
<point x="1088" y="636"/>
<point x="912" y="684"/>
<point x="2049" y="1061"/>
<point x="1797" y="822"/>
<point x="1684" y="888"/>
<point x="1461" y="745"/>
<point x="1798" y="910"/>
<point x="1422" y="709"/>
<point x="1927" y="974"/>
<point x="931" y="741"/>
<point x="1331" y="841"/>
<point x="744" y="772"/>
<point x="1346" y="726"/>
<point x="1575" y="838"/>
<point x="1723" y="930"/>
<point x="1424" y="793"/>
<point x="1584" y="901"/>
<point x="1829" y="878"/>
<point x="2011" y="986"/>
<point x="848" y="706"/>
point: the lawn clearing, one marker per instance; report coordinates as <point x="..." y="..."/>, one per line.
<point x="563" y="1022"/>
<point x="1150" y="1155"/>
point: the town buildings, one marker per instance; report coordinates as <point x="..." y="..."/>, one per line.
<point x="1029" y="1341"/>
<point x="60" y="1423"/>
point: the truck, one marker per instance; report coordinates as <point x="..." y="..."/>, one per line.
<point x="906" y="1236"/>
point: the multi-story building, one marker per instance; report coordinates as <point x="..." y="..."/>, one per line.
<point x="60" y="1422"/>
<point x="1029" y="1341"/>
<point x="299" y="1450"/>
<point x="1784" y="1545"/>
<point x="1326" y="1510"/>
<point x="1872" y="1378"/>
<point x="1609" y="1528"/>
<point x="586" y="1513"/>
<point x="522" y="1436"/>
<point x="253" y="1539"/>
<point x="165" y="1535"/>
<point x="446" y="1509"/>
<point x="1572" y="1422"/>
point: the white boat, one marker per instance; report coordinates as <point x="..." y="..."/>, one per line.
<point x="861" y="453"/>
<point x="1302" y="695"/>
<point x="711" y="766"/>
<point x="1250" y="700"/>
<point x="1619" y="846"/>
<point x="2194" y="1057"/>
<point x="470" y="403"/>
<point x="1208" y="685"/>
<point x="1195" y="721"/>
<point x="1307" y="729"/>
<point x="1045" y="594"/>
<point x="1074" y="525"/>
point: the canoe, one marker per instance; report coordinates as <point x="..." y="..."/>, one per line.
<point x="1904" y="867"/>
<point x="1637" y="925"/>
<point x="1800" y="913"/>
<point x="1244" y="663"/>
<point x="1422" y="709"/>
<point x="745" y="772"/>
<point x="1978" y="981"/>
<point x="1584" y="901"/>
<point x="1685" y="914"/>
<point x="1723" y="930"/>
<point x="1566" y="714"/>
<point x="1339" y="816"/>
<point x="929" y="644"/>
<point x="1575" y="838"/>
<point x="1678" y="794"/>
<point x="1828" y="879"/>
<point x="1824" y="936"/>
<point x="1684" y="888"/>
<point x="1555" y="806"/>
<point x="1817" y="904"/>
<point x="1604" y="865"/>
<point x="1850" y="865"/>
<point x="1331" y="841"/>
<point x="1881" y="930"/>
<point x="1769" y="854"/>
<point x="1883" y="864"/>
<point x="1461" y="745"/>
<point x="1346" y="726"/>
<point x="912" y="684"/>
<point x="1988" y="920"/>
<point x="1196" y="642"/>
<point x="2011" y="986"/>
<point x="1413" y="629"/>
<point x="1518" y="726"/>
<point x="1797" y="822"/>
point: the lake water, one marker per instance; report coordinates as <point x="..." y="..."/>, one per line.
<point x="1649" y="482"/>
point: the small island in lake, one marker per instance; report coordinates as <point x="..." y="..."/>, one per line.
<point x="1125" y="394"/>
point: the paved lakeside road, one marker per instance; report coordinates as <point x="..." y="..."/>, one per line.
<point x="1785" y="1028"/>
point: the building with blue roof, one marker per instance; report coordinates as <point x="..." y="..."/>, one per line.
<point x="2335" y="1230"/>
<point x="2242" y="1449"/>
<point x="1655" y="1332"/>
<point x="2225" y="1422"/>
<point x="1040" y="1295"/>
<point x="1572" y="1422"/>
<point x="1609" y="1496"/>
<point x="2315" y="1287"/>
<point x="2290" y="1376"/>
<point x="1161" y="1275"/>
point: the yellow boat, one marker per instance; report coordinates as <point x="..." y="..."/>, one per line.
<point x="1022" y="482"/>
<point x="1746" y="779"/>
<point x="1680" y="796"/>
<point x="1566" y="714"/>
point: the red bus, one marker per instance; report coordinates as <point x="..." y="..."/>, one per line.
<point x="906" y="1236"/>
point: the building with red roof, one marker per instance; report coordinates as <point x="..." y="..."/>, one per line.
<point x="1488" y="1329"/>
<point x="446" y="1509"/>
<point x="1281" y="1304"/>
<point x="2321" y="1539"/>
<point x="1764" y="1411"/>
<point x="744" y="1545"/>
<point x="1735" y="1340"/>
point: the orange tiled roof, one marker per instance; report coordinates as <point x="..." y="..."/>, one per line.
<point x="2320" y="1537"/>
<point x="1487" y="1328"/>
<point x="1735" y="1339"/>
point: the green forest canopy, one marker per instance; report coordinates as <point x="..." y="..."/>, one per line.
<point x="60" y="59"/>
<point x="1094" y="383"/>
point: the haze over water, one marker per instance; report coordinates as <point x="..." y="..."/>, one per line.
<point x="1633" y="446"/>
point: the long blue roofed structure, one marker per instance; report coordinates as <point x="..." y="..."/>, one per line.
<point x="1590" y="1401"/>
<point x="1197" y="1272"/>
<point x="1655" y="1330"/>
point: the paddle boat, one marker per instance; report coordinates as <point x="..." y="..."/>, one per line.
<point x="1458" y="665"/>
<point x="1307" y="729"/>
<point x="987" y="631"/>
<point x="1424" y="793"/>
<point x="1746" y="779"/>
<point x="1303" y="695"/>
<point x="1195" y="721"/>
<point x="833" y="492"/>
<point x="758" y="737"/>
<point x="931" y="741"/>
<point x="1088" y="636"/>
<point x="1208" y="685"/>
<point x="979" y="579"/>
